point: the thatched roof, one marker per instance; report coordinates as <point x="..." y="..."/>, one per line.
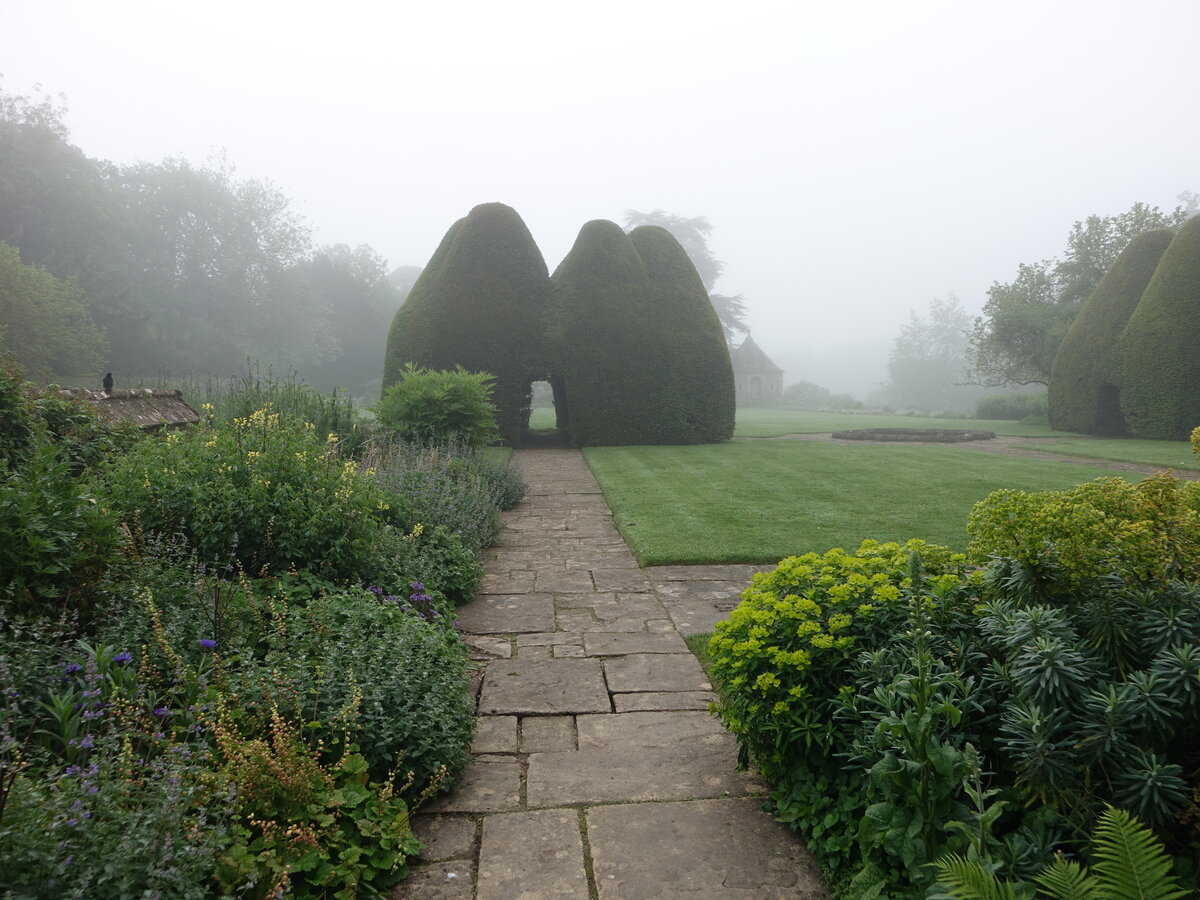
<point x="749" y="357"/>
<point x="148" y="408"/>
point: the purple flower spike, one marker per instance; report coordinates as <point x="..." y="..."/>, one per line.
<point x="161" y="711"/>
<point x="208" y="643"/>
<point x="416" y="587"/>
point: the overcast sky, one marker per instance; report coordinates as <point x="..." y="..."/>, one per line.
<point x="856" y="160"/>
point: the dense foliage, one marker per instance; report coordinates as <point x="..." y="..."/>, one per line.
<point x="1024" y="321"/>
<point x="482" y="303"/>
<point x="437" y="406"/>
<point x="640" y="350"/>
<point x="191" y="705"/>
<point x="173" y="266"/>
<point x="906" y="707"/>
<point x="1157" y="365"/>
<point x="1082" y="395"/>
<point x="1011" y="406"/>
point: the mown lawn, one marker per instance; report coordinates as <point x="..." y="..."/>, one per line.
<point x="776" y="422"/>
<point x="759" y="501"/>
<point x="1166" y="454"/>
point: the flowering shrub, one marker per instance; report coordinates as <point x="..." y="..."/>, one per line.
<point x="782" y="657"/>
<point x="271" y="492"/>
<point x="1146" y="533"/>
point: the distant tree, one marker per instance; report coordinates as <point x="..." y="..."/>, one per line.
<point x="57" y="206"/>
<point x="1157" y="361"/>
<point x="692" y="235"/>
<point x="640" y="350"/>
<point x="1082" y="395"/>
<point x="483" y="302"/>
<point x="216" y="281"/>
<point x="44" y="322"/>
<point x="1023" y="322"/>
<point x="926" y="368"/>
<point x="809" y="395"/>
<point x="403" y="278"/>
<point x="355" y="291"/>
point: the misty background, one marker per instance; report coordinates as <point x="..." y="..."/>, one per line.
<point x="857" y="163"/>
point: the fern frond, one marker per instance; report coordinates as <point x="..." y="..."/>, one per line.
<point x="1063" y="880"/>
<point x="966" y="879"/>
<point x="1130" y="861"/>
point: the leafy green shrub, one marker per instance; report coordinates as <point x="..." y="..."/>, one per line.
<point x="1147" y="533"/>
<point x="266" y="491"/>
<point x="58" y="538"/>
<point x="505" y="480"/>
<point x="782" y="659"/>
<point x="438" y="406"/>
<point x="440" y="483"/>
<point x="16" y="413"/>
<point x="1010" y="406"/>
<point x="432" y="555"/>
<point x="403" y="678"/>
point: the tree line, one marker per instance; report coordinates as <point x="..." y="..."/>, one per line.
<point x="172" y="267"/>
<point x="946" y="359"/>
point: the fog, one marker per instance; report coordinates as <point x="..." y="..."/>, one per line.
<point x="855" y="160"/>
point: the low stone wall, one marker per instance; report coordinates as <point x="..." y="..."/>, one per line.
<point x="914" y="435"/>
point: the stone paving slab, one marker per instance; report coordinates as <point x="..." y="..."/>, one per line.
<point x="655" y="672"/>
<point x="507" y="613"/>
<point x="652" y="774"/>
<point x="445" y="837"/>
<point x="621" y="643"/>
<point x="495" y="734"/>
<point x="490" y="784"/>
<point x="451" y="880"/>
<point x="546" y="734"/>
<point x="706" y="848"/>
<point x="699" y="616"/>
<point x="673" y="700"/>
<point x="741" y="573"/>
<point x="532" y="854"/>
<point x="543" y="686"/>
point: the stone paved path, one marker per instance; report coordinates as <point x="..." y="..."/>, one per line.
<point x="598" y="771"/>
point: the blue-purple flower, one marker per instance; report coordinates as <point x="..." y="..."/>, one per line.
<point x="123" y="658"/>
<point x="208" y="643"/>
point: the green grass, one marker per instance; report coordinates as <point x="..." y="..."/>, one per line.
<point x="1165" y="454"/>
<point x="759" y="501"/>
<point x="776" y="422"/>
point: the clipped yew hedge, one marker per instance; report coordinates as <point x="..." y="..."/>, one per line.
<point x="640" y="349"/>
<point x="1082" y="395"/>
<point x="1157" y="356"/>
<point x="482" y="303"/>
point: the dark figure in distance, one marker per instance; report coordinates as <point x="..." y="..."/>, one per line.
<point x="108" y="383"/>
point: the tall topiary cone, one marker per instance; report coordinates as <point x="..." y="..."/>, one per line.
<point x="1158" y="354"/>
<point x="1082" y="395"/>
<point x="482" y="303"/>
<point x="640" y="351"/>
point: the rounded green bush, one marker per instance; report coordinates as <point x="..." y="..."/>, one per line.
<point x="1082" y="397"/>
<point x="1148" y="533"/>
<point x="1157" y="362"/>
<point x="436" y="407"/>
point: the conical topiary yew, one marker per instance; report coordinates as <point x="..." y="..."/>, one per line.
<point x="1082" y="394"/>
<point x="482" y="303"/>
<point x="1158" y="354"/>
<point x="624" y="332"/>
